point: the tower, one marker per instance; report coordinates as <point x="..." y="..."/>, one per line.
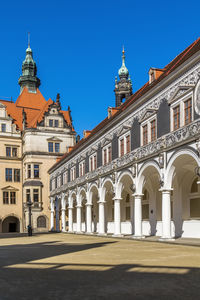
<point x="123" y="86"/>
<point x="29" y="71"/>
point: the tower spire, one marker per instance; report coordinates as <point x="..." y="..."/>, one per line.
<point x="123" y="86"/>
<point x="28" y="39"/>
<point x="29" y="71"/>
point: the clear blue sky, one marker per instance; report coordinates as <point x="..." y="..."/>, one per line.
<point x="77" y="47"/>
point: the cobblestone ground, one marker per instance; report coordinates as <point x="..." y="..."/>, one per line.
<point x="64" y="266"/>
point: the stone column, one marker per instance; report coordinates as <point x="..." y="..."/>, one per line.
<point x="57" y="219"/>
<point x="52" y="214"/>
<point x="132" y="213"/>
<point x="63" y="210"/>
<point x="78" y="218"/>
<point x="89" y="217"/>
<point x="117" y="216"/>
<point x="166" y="214"/>
<point x="70" y="218"/>
<point x="138" y="216"/>
<point x="102" y="218"/>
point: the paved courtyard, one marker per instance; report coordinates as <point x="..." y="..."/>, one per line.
<point x="64" y="266"/>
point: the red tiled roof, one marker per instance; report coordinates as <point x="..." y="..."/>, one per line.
<point x="169" y="68"/>
<point x="34" y="106"/>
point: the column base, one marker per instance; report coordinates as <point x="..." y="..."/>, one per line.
<point x="138" y="237"/>
<point x="72" y="232"/>
<point x="102" y="234"/>
<point x="64" y="231"/>
<point x="117" y="235"/>
<point x="79" y="232"/>
<point x="163" y="239"/>
<point x="89" y="233"/>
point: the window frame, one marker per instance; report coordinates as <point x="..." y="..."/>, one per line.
<point x="122" y="143"/>
<point x="93" y="162"/>
<point x="107" y="154"/>
<point x="147" y="124"/>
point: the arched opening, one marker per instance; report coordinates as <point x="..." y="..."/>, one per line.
<point x="95" y="209"/>
<point x="109" y="207"/>
<point x="11" y="224"/>
<point x="126" y="204"/>
<point x="83" y="210"/>
<point x="41" y="222"/>
<point x="185" y="196"/>
<point x="149" y="185"/>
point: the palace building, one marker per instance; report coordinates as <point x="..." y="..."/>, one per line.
<point x="34" y="133"/>
<point x="137" y="173"/>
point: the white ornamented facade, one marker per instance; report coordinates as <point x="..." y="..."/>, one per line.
<point x="138" y="172"/>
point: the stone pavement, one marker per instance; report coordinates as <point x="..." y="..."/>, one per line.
<point x="67" y="266"/>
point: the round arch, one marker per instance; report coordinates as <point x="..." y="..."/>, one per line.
<point x="141" y="176"/>
<point x="189" y="153"/>
<point x="11" y="223"/>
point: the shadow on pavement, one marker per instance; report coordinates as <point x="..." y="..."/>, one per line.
<point x="23" y="277"/>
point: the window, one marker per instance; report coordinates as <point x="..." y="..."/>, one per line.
<point x="128" y="146"/>
<point x="8" y="151"/>
<point x="53" y="123"/>
<point x="73" y="173"/>
<point x="65" y="175"/>
<point x="124" y="145"/>
<point x="9" y="197"/>
<point x="29" y="171"/>
<point x="8" y="174"/>
<point x="82" y="169"/>
<point x="28" y="195"/>
<point x="145" y="134"/>
<point x="148" y="130"/>
<point x="54" y="147"/>
<point x="153" y="130"/>
<point x="56" y="123"/>
<point x="50" y="123"/>
<point x="50" y="144"/>
<point x="36" y="171"/>
<point x="11" y="151"/>
<point x="12" y="198"/>
<point x="14" y="152"/>
<point x="17" y="175"/>
<point x="93" y="162"/>
<point x="176" y="117"/>
<point x="57" y="147"/>
<point x="188" y="111"/>
<point x="41" y="222"/>
<point x="35" y="195"/>
<point x="3" y="127"/>
<point x="107" y="154"/>
<point x="5" y="198"/>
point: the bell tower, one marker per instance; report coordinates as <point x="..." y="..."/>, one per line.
<point x="123" y="86"/>
<point x="29" y="71"/>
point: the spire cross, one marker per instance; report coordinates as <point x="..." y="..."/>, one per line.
<point x="123" y="56"/>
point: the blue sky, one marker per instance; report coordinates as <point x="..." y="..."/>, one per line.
<point x="77" y="47"/>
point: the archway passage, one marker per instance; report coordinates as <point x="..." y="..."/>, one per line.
<point x="11" y="224"/>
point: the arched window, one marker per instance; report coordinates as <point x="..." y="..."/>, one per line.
<point x="41" y="222"/>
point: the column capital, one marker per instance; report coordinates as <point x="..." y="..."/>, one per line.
<point x="70" y="207"/>
<point x="101" y="201"/>
<point x="166" y="191"/>
<point x="88" y="204"/>
<point x="79" y="206"/>
<point x="137" y="195"/>
<point x="115" y="199"/>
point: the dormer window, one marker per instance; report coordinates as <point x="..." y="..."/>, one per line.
<point x="50" y="123"/>
<point x="3" y="127"/>
<point x="53" y="123"/>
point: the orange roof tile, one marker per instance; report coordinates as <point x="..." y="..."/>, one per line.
<point x="30" y="100"/>
<point x="34" y="106"/>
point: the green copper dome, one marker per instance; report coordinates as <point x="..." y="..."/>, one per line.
<point x="123" y="71"/>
